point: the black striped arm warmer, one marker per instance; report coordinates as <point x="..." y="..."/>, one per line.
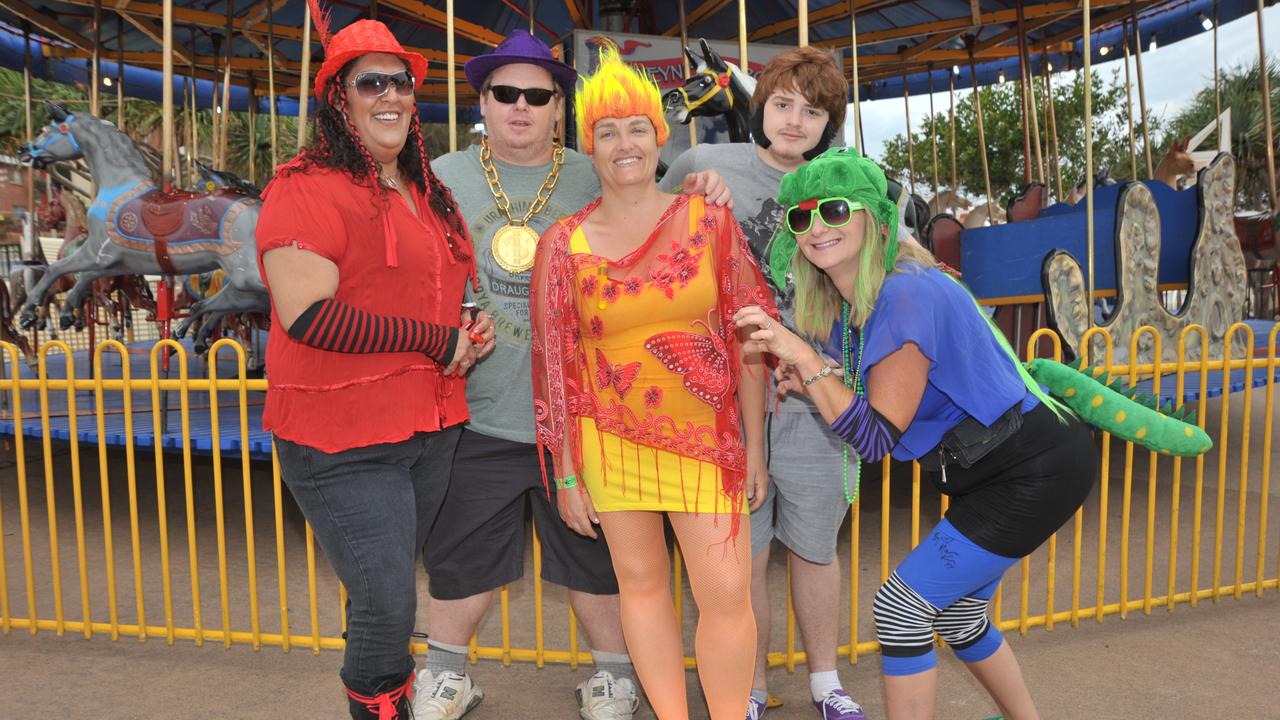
<point x="331" y="324"/>
<point x="866" y="430"/>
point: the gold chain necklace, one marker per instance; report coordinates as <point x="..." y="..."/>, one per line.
<point x="515" y="243"/>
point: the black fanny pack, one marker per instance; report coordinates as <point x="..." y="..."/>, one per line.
<point x="970" y="441"/>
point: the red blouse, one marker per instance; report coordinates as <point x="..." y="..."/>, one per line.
<point x="389" y="262"/>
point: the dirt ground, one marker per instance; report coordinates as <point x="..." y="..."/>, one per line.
<point x="1213" y="661"/>
<point x="1217" y="659"/>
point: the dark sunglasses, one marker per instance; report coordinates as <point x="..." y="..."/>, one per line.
<point x="508" y="95"/>
<point x="834" y="211"/>
<point x="376" y="84"/>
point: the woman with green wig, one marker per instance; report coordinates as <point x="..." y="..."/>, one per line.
<point x="925" y="377"/>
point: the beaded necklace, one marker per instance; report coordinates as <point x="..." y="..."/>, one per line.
<point x="853" y="382"/>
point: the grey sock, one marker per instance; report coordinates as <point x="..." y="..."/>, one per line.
<point x="761" y="696"/>
<point x="618" y="664"/>
<point x="442" y="657"/>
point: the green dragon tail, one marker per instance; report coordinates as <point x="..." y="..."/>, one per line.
<point x="1122" y="411"/>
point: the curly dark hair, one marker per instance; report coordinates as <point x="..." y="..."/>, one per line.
<point x="336" y="145"/>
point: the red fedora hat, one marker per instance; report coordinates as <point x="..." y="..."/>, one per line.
<point x="359" y="38"/>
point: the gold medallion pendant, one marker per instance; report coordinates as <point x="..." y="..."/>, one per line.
<point x="515" y="243"/>
<point x="514" y="247"/>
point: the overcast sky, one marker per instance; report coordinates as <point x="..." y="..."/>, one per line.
<point x="1172" y="73"/>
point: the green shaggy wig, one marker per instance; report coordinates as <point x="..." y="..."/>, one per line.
<point x="838" y="172"/>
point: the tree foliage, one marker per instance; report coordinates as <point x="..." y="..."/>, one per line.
<point x="141" y="117"/>
<point x="1003" y="129"/>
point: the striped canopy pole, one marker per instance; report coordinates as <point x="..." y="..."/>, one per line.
<point x="166" y="99"/>
<point x="1128" y="99"/>
<point x="1053" y="123"/>
<point x="933" y="133"/>
<point x="982" y="135"/>
<point x="29" y="252"/>
<point x="1022" y="94"/>
<point x="951" y="96"/>
<point x="1217" y="90"/>
<point x="271" y="81"/>
<point x="120" y="73"/>
<point x="911" y="151"/>
<point x="688" y="71"/>
<point x="253" y="128"/>
<point x="225" y="125"/>
<point x="95" y="59"/>
<point x="1142" y="86"/>
<point x="451" y="79"/>
<point x="853" y="62"/>
<point x="1266" y="109"/>
<point x="305" y="79"/>
<point x="1088" y="148"/>
<point x="802" y="17"/>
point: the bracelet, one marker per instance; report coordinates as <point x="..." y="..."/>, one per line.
<point x="825" y="371"/>
<point x="566" y="482"/>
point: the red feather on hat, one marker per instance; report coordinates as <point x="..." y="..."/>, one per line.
<point x="320" y="16"/>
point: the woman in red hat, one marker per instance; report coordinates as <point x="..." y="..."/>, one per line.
<point x="366" y="259"/>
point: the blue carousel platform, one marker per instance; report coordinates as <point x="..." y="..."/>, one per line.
<point x="1213" y="385"/>
<point x="231" y="441"/>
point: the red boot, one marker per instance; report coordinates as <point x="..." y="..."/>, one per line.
<point x="392" y="704"/>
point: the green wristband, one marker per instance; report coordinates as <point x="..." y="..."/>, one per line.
<point x="569" y="481"/>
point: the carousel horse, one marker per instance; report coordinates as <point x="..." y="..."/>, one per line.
<point x="211" y="179"/>
<point x="1102" y="178"/>
<point x="979" y="216"/>
<point x="716" y="87"/>
<point x="9" y="333"/>
<point x="913" y="211"/>
<point x="49" y="215"/>
<point x="196" y="288"/>
<point x="116" y="294"/>
<point x="946" y="201"/>
<point x="65" y="209"/>
<point x="135" y="228"/>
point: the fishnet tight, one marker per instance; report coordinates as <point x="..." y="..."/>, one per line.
<point x="720" y="577"/>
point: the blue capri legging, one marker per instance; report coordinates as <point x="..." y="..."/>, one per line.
<point x="945" y="585"/>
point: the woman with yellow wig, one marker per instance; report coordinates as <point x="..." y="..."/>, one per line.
<point x="645" y="397"/>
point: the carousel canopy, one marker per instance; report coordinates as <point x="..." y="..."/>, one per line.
<point x="911" y="41"/>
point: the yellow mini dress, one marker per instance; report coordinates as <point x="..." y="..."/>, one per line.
<point x="632" y="333"/>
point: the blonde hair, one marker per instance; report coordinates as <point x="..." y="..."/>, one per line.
<point x="617" y="90"/>
<point x="817" y="299"/>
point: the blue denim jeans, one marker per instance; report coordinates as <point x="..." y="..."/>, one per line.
<point x="370" y="508"/>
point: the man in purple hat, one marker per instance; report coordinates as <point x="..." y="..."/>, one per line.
<point x="510" y="188"/>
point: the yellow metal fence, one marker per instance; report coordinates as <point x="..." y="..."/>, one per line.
<point x="236" y="563"/>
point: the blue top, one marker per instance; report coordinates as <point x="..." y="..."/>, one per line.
<point x="970" y="375"/>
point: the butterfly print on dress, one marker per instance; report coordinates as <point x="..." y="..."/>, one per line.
<point x="701" y="359"/>
<point x="620" y="377"/>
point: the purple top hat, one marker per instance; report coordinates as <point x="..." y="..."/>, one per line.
<point x="520" y="47"/>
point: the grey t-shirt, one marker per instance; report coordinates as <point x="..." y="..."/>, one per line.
<point x="500" y="387"/>
<point x="754" y="184"/>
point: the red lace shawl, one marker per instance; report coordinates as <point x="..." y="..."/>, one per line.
<point x="710" y="358"/>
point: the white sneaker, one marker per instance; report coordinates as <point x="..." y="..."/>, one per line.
<point x="601" y="697"/>
<point x="447" y="697"/>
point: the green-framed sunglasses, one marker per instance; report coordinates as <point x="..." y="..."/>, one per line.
<point x="835" y="212"/>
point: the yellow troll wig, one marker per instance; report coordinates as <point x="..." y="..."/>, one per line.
<point x="617" y="90"/>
